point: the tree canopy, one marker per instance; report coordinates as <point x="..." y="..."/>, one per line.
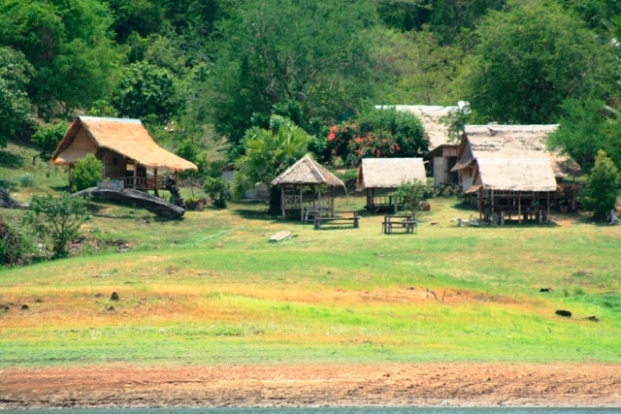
<point x="529" y="59"/>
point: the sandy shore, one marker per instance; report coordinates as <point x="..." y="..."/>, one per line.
<point x="463" y="384"/>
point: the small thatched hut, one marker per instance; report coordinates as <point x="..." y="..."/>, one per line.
<point x="378" y="176"/>
<point x="443" y="153"/>
<point x="125" y="148"/>
<point x="307" y="173"/>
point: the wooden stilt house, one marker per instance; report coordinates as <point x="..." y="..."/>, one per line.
<point x="126" y="149"/>
<point x="381" y="176"/>
<point x="307" y="187"/>
<point x="505" y="167"/>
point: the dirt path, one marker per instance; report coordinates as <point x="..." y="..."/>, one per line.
<point x="461" y="384"/>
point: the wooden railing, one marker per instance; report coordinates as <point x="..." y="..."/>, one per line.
<point x="141" y="183"/>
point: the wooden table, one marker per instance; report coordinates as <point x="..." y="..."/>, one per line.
<point x="406" y="222"/>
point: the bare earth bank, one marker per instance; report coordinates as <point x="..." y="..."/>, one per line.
<point x="460" y="384"/>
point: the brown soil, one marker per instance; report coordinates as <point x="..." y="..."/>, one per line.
<point x="462" y="384"/>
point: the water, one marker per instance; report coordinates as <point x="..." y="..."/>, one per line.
<point x="402" y="410"/>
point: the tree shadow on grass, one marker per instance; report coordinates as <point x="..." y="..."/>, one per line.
<point x="10" y="160"/>
<point x="8" y="185"/>
<point x="255" y="214"/>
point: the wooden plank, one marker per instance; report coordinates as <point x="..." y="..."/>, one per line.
<point x="280" y="236"/>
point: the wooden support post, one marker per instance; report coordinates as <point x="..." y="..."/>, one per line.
<point x="519" y="208"/>
<point x="480" y="203"/>
<point x="301" y="205"/>
<point x="395" y="200"/>
<point x="155" y="184"/>
<point x="136" y="175"/>
<point x="548" y="208"/>
<point x="282" y="201"/>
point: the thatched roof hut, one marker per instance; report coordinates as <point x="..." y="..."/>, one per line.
<point x="126" y="137"/>
<point x="389" y="173"/>
<point x="514" y="174"/>
<point x="430" y="116"/>
<point x="307" y="172"/>
<point x="304" y="173"/>
<point x="511" y="141"/>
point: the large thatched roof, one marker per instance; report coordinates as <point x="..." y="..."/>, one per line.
<point x="387" y="173"/>
<point x="511" y="141"/>
<point x="514" y="174"/>
<point x="307" y="172"/>
<point x="430" y="116"/>
<point x="127" y="137"/>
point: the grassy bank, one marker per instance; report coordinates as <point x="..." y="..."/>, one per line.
<point x="211" y="289"/>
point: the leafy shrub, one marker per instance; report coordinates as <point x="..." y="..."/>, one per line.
<point x="602" y="190"/>
<point x="191" y="151"/>
<point x="217" y="189"/>
<point x="15" y="244"/>
<point x="86" y="173"/>
<point x="57" y="218"/>
<point x="27" y="180"/>
<point x="48" y="137"/>
<point x="413" y="193"/>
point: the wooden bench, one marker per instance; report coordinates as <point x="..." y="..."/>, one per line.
<point x="340" y="219"/>
<point x="405" y="222"/>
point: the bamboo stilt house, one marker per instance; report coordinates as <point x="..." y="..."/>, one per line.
<point x="125" y="148"/>
<point x="378" y="176"/>
<point x="504" y="166"/>
<point x="307" y="173"/>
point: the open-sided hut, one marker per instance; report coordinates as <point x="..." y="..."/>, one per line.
<point x="125" y="148"/>
<point x="516" y="156"/>
<point x="299" y="177"/>
<point x="506" y="186"/>
<point x="378" y="176"/>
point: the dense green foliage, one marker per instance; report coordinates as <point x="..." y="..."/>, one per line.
<point x="14" y="106"/>
<point x="602" y="187"/>
<point x="215" y="68"/>
<point x="86" y="173"/>
<point x="585" y="128"/>
<point x="268" y="152"/>
<point x="530" y="58"/>
<point x="15" y="244"/>
<point x="57" y="219"/>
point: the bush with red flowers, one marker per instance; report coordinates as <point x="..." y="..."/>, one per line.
<point x="380" y="133"/>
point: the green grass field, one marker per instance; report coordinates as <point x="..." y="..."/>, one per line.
<point x="210" y="289"/>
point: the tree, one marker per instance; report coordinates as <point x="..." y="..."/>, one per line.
<point x="418" y="69"/>
<point x="531" y="57"/>
<point x="86" y="173"/>
<point x="383" y="133"/>
<point x="267" y="154"/>
<point x="585" y="128"/>
<point x="70" y="46"/>
<point x="315" y="53"/>
<point x="146" y="90"/>
<point x="15" y="72"/>
<point x="602" y="187"/>
<point x="57" y="218"/>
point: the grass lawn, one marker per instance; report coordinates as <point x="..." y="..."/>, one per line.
<point x="210" y="289"/>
